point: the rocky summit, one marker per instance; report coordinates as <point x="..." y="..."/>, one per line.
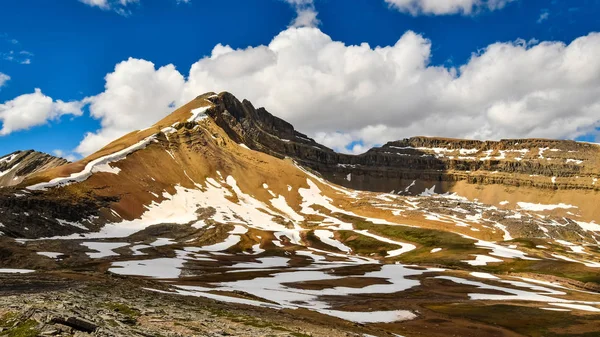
<point x="223" y="220"/>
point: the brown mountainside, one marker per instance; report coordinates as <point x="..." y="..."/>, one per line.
<point x="226" y="202"/>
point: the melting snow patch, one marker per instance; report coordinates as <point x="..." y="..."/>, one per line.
<point x="156" y="268"/>
<point x="428" y="192"/>
<point x="136" y="250"/>
<point x="74" y="224"/>
<point x="577" y="307"/>
<point x="484" y="276"/>
<point x="371" y="317"/>
<point x="435" y="250"/>
<point x="406" y="247"/>
<point x="589" y="226"/>
<point x="15" y="271"/>
<point x="409" y="186"/>
<point x="199" y="114"/>
<point x="327" y="237"/>
<point x="541" y="207"/>
<point x="501" y="251"/>
<point x="555" y="309"/>
<point x="482" y="260"/>
<point x="281" y="204"/>
<point x="162" y="242"/>
<point x="103" y="249"/>
<point x="590" y="264"/>
<point x="51" y="255"/>
<point x="97" y="165"/>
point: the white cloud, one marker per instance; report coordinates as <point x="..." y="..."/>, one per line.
<point x="3" y="79"/>
<point x="62" y="154"/>
<point x="306" y="14"/>
<point x="22" y="57"/>
<point x="544" y="15"/>
<point x="446" y="7"/>
<point x="121" y="7"/>
<point x="136" y="96"/>
<point x="33" y="109"/>
<point x="346" y="95"/>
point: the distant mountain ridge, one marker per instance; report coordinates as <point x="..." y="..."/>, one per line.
<point x="17" y="166"/>
<point x="500" y="173"/>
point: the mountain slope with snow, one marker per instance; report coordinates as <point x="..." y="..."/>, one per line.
<point x="230" y="203"/>
<point x="17" y="166"/>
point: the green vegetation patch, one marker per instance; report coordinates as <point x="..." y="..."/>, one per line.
<point x="365" y="245"/>
<point x="571" y="270"/>
<point x="8" y="319"/>
<point x="24" y="329"/>
<point x="122" y="309"/>
<point x="528" y="321"/>
<point x="454" y="247"/>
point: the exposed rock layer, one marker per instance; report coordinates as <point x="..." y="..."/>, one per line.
<point x="538" y="163"/>
<point x="19" y="165"/>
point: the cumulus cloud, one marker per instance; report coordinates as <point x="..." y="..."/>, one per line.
<point x="446" y="7"/>
<point x="306" y="13"/>
<point x="66" y="155"/>
<point x="354" y="97"/>
<point x="34" y="109"/>
<point x="3" y="79"/>
<point x="136" y="95"/>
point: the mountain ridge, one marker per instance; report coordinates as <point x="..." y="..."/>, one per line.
<point x="17" y="166"/>
<point x="515" y="170"/>
<point x="226" y="202"/>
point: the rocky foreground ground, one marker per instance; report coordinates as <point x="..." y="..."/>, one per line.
<point x="102" y="305"/>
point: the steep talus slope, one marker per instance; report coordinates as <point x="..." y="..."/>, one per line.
<point x="17" y="166"/>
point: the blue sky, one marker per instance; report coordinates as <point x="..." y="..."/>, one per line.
<point x="66" y="48"/>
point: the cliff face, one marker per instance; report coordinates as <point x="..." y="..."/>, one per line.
<point x="538" y="163"/>
<point x="515" y="170"/>
<point x="19" y="165"/>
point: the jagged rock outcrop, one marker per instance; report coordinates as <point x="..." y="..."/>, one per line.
<point x="19" y="165"/>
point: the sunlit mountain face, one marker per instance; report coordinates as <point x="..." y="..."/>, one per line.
<point x="300" y="168"/>
<point x="220" y="202"/>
